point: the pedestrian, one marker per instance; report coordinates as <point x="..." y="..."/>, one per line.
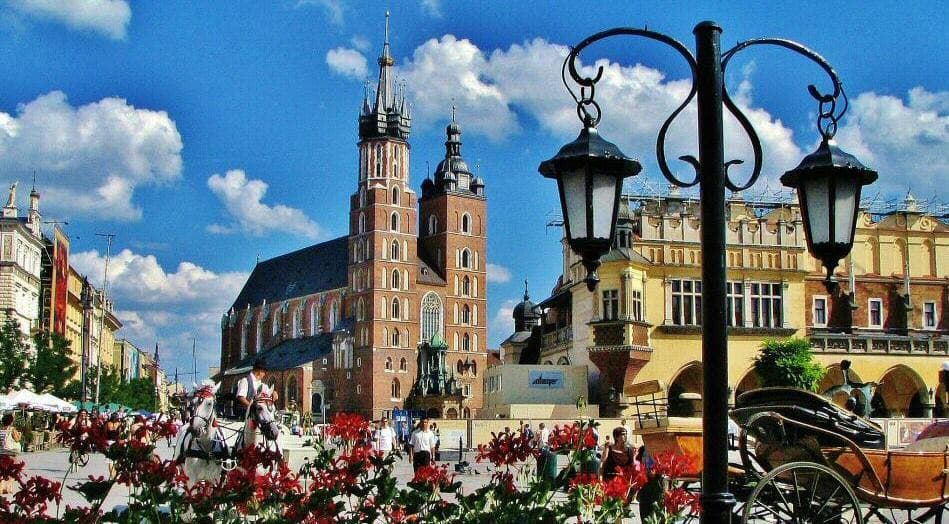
<point x="528" y="434"/>
<point x="546" y="461"/>
<point x="422" y="445"/>
<point x="438" y="441"/>
<point x="250" y="386"/>
<point x="618" y="455"/>
<point x="385" y="436"/>
<point x="9" y="445"/>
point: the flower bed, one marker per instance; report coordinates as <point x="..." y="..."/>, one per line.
<point x="347" y="481"/>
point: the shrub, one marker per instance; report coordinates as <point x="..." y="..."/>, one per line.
<point x="788" y="363"/>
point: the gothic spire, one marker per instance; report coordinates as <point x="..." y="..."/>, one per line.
<point x="384" y="91"/>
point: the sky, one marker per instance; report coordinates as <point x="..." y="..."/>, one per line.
<point x="204" y="135"/>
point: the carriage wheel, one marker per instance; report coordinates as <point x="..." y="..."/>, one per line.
<point x="802" y="493"/>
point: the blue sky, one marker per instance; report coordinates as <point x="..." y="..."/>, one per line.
<point x="205" y="134"/>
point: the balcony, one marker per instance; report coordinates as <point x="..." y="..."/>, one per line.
<point x="879" y="344"/>
<point x="557" y="339"/>
<point x="621" y="348"/>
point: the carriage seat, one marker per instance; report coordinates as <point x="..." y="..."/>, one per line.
<point x="812" y="409"/>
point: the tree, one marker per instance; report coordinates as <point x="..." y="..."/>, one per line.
<point x="788" y="363"/>
<point x="13" y="356"/>
<point x="52" y="369"/>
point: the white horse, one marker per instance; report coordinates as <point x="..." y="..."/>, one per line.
<point x="201" y="445"/>
<point x="261" y="415"/>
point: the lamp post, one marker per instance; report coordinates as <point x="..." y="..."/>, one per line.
<point x="828" y="183"/>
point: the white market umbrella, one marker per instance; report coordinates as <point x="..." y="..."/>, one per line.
<point x="56" y="404"/>
<point x="27" y="397"/>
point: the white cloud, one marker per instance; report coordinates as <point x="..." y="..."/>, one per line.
<point x="432" y="8"/>
<point x="89" y="159"/>
<point x="498" y="273"/>
<point x="360" y="42"/>
<point x="905" y="141"/>
<point x="107" y="17"/>
<point x="168" y="307"/>
<point x="503" y="321"/>
<point x="491" y="89"/>
<point x="347" y="62"/>
<point x="334" y="9"/>
<point x="242" y="201"/>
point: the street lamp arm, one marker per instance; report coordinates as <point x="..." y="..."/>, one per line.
<point x="828" y="113"/>
<point x="588" y="90"/>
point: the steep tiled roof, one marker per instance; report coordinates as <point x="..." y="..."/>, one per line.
<point x="291" y="353"/>
<point x="310" y="270"/>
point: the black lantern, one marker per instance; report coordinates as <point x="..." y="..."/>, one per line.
<point x="589" y="173"/>
<point x="828" y="183"/>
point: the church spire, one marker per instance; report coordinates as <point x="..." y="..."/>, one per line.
<point x="389" y="115"/>
<point x="384" y="90"/>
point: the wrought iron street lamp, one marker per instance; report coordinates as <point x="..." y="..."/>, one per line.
<point x="589" y="173"/>
<point x="828" y="183"/>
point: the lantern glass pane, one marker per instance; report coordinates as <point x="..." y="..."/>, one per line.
<point x="846" y="198"/>
<point x="818" y="213"/>
<point x="575" y="199"/>
<point x="604" y="198"/>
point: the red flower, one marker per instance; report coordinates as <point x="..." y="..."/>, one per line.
<point x="10" y="468"/>
<point x="432" y="477"/>
<point x="678" y="500"/>
<point x="348" y="426"/>
<point x="36" y="493"/>
<point x="672" y="465"/>
<point x="506" y="449"/>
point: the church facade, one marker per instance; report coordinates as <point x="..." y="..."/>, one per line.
<point x="394" y="314"/>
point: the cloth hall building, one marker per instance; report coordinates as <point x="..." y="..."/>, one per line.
<point x="392" y="315"/>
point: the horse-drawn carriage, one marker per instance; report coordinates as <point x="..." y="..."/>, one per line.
<point x="801" y="458"/>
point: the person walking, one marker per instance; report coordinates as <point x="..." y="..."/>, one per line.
<point x="617" y="455"/>
<point x="422" y="444"/>
<point x="385" y="436"/>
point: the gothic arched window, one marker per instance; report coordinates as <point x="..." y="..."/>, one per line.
<point x="334" y="315"/>
<point x="403" y="364"/>
<point x="431" y="316"/>
<point x="466" y="343"/>
<point x="275" y="323"/>
<point x="395" y="308"/>
<point x="314" y="318"/>
<point x="465" y="258"/>
<point x="362" y="223"/>
<point x="396" y="339"/>
<point x="394" y="252"/>
<point x="388" y="363"/>
<point x="466" y="224"/>
<point x="466" y="314"/>
<point x="396" y="388"/>
<point x="466" y="286"/>
<point x="395" y="196"/>
<point x="396" y="277"/>
<point x="394" y="222"/>
<point x="295" y="323"/>
<point x="378" y="161"/>
<point x="432" y="224"/>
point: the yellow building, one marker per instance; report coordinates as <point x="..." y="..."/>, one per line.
<point x="74" y="317"/>
<point x="90" y="322"/>
<point x="643" y="321"/>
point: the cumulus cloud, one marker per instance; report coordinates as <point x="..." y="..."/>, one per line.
<point x="107" y="17"/>
<point x="90" y="158"/>
<point x="904" y="140"/>
<point x="242" y="202"/>
<point x="503" y="320"/>
<point x="170" y="307"/>
<point x="334" y="9"/>
<point x="491" y="89"/>
<point x="498" y="273"/>
<point x="432" y="8"/>
<point x="347" y="62"/>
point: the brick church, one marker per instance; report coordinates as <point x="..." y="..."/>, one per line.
<point x="392" y="315"/>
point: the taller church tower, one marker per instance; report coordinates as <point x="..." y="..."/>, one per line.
<point x="382" y="239"/>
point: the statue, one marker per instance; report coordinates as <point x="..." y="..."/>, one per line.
<point x="860" y="405"/>
<point x="11" y="202"/>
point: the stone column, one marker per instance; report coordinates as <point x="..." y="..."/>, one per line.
<point x="746" y="303"/>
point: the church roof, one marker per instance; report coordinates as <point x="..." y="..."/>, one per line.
<point x="291" y="353"/>
<point x="319" y="267"/>
<point x="427" y="275"/>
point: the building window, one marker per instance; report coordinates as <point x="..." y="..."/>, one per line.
<point x="358" y="362"/>
<point x="465" y="258"/>
<point x="395" y="308"/>
<point x="466" y="343"/>
<point x="359" y="389"/>
<point x="295" y="323"/>
<point x="929" y="315"/>
<point x="637" y="305"/>
<point x="466" y="314"/>
<point x="395" y="195"/>
<point x="394" y="222"/>
<point x="766" y="305"/>
<point x="394" y="252"/>
<point x="432" y="224"/>
<point x="275" y="323"/>
<point x="876" y="313"/>
<point x="395" y="277"/>
<point x="243" y="341"/>
<point x="396" y="389"/>
<point x="314" y="319"/>
<point x="466" y="390"/>
<point x="378" y="160"/>
<point x="820" y="311"/>
<point x="431" y="316"/>
<point x="466" y="224"/>
<point x="735" y="303"/>
<point x="687" y="302"/>
<point x="403" y="365"/>
<point x="389" y="364"/>
<point x="466" y="286"/>
<point x="396" y="339"/>
<point x="610" y="304"/>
